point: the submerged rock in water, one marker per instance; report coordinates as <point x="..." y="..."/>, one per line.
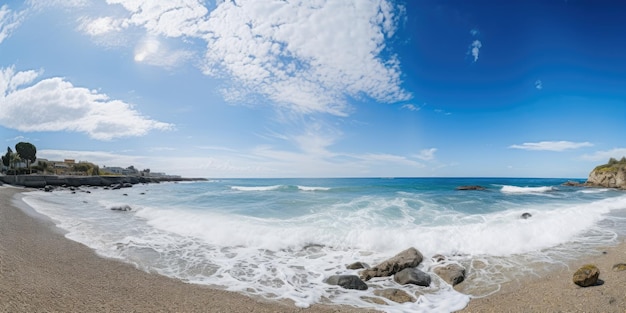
<point x="347" y="282"/>
<point x="586" y="276"/>
<point x="121" y="208"/>
<point x="473" y="187"/>
<point x="410" y="257"/>
<point x="412" y="276"/>
<point x="357" y="266"/>
<point x="395" y="295"/>
<point x="452" y="273"/>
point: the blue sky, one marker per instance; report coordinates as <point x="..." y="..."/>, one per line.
<point x="328" y="88"/>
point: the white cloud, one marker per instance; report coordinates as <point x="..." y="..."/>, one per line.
<point x="551" y="145"/>
<point x="54" y="104"/>
<point x="307" y="57"/>
<point x="538" y="84"/>
<point x="9" y="21"/>
<point x="616" y="153"/>
<point x="474" y="32"/>
<point x="152" y="51"/>
<point x="427" y="154"/>
<point x="474" y="49"/>
<point x="101" y="25"/>
<point x="411" y="107"/>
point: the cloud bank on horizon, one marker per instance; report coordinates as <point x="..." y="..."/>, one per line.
<point x="330" y="84"/>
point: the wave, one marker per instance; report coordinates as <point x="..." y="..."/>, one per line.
<point x="307" y="188"/>
<point x="257" y="188"/>
<point x="517" y="189"/>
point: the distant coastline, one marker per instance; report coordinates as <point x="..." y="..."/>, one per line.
<point x="41" y="181"/>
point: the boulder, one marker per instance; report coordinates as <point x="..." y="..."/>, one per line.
<point x="412" y="276"/>
<point x="526" y="215"/>
<point x="410" y="257"/>
<point x="586" y="276"/>
<point x="347" y="282"/>
<point x="451" y="273"/>
<point x="395" y="295"/>
<point x="48" y="188"/>
<point x="619" y="267"/>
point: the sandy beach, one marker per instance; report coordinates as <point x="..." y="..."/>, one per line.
<point x="42" y="271"/>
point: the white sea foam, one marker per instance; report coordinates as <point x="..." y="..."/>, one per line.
<point x="256" y="188"/>
<point x="516" y="189"/>
<point x="309" y="188"/>
<point x="289" y="256"/>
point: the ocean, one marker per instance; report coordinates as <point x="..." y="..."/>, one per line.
<point x="281" y="238"/>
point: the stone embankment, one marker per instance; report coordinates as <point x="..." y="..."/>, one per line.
<point x="41" y="181"/>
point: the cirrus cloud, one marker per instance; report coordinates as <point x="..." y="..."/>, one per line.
<point x="54" y="104"/>
<point x="551" y="145"/>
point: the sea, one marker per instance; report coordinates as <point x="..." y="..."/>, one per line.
<point x="280" y="239"/>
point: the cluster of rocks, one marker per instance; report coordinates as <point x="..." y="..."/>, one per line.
<point x="402" y="268"/>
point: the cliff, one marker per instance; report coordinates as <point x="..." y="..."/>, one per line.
<point x="611" y="175"/>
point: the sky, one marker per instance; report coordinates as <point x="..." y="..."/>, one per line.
<point x="319" y="88"/>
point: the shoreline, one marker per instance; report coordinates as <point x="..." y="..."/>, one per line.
<point x="41" y="270"/>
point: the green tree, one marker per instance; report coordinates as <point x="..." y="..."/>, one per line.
<point x="6" y="159"/>
<point x="612" y="161"/>
<point x="27" y="152"/>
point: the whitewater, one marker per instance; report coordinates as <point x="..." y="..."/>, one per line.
<point x="280" y="239"/>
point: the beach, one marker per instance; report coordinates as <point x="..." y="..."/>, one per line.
<point x="42" y="271"/>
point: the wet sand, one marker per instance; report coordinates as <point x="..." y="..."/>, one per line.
<point x="42" y="271"/>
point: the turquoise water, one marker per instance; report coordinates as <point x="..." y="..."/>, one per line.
<point x="280" y="238"/>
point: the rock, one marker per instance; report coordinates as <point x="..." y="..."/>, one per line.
<point x="347" y="282"/>
<point x="357" y="266"/>
<point x="472" y="187"/>
<point x="412" y="276"/>
<point x="526" y="215"/>
<point x="48" y="188"/>
<point x="121" y="208"/>
<point x="395" y="295"/>
<point x="116" y="187"/>
<point x="410" y="257"/>
<point x="619" y="267"/>
<point x="451" y="273"/>
<point x="127" y="185"/>
<point x="586" y="276"/>
<point x="572" y="183"/>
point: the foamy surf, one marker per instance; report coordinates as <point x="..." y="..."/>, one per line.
<point x="271" y="239"/>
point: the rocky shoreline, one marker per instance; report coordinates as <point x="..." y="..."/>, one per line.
<point x="41" y="181"/>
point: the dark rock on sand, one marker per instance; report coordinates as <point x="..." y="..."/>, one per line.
<point x="347" y="282"/>
<point x="395" y="295"/>
<point x="586" y="276"/>
<point x="619" y="267"/>
<point x="451" y="273"/>
<point x="410" y="257"/>
<point x="412" y="276"/>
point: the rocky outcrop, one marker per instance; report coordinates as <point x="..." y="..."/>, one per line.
<point x="408" y="258"/>
<point x="41" y="181"/>
<point x="586" y="276"/>
<point x="608" y="176"/>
